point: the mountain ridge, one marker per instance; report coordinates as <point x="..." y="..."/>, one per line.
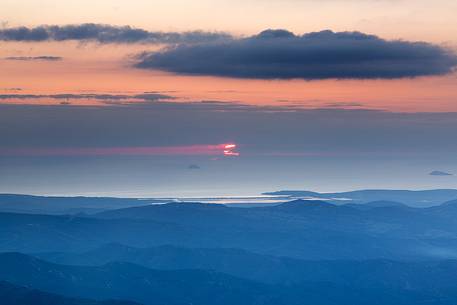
<point x="17" y="295"/>
<point x="413" y="198"/>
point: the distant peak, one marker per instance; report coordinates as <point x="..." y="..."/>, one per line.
<point x="452" y="203"/>
<point x="305" y="203"/>
<point x="191" y="204"/>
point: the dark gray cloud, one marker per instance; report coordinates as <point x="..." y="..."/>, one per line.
<point x="279" y="54"/>
<point x="334" y="148"/>
<point x="33" y="58"/>
<point x="440" y="173"/>
<point x="256" y="130"/>
<point x="104" y="33"/>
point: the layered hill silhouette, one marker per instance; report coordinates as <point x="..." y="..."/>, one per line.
<point x="17" y="295"/>
<point x="301" y="229"/>
<point x="418" y="199"/>
<point x="90" y="205"/>
<point x="128" y="281"/>
<point x="298" y="252"/>
<point x="374" y="282"/>
<point x="65" y="205"/>
<point x="264" y="268"/>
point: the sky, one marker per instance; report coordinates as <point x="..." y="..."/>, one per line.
<point x="141" y="98"/>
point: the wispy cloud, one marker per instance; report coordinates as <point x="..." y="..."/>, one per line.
<point x="34" y="58"/>
<point x="105" y="33"/>
<point x="343" y="105"/>
<point x="107" y="99"/>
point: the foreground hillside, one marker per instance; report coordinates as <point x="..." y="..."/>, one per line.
<point x="419" y="275"/>
<point x="382" y="283"/>
<point x="17" y="295"/>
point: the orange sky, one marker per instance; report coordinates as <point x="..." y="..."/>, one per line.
<point x="105" y="69"/>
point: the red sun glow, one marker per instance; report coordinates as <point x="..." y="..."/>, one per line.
<point x="229" y="150"/>
<point x="225" y="149"/>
